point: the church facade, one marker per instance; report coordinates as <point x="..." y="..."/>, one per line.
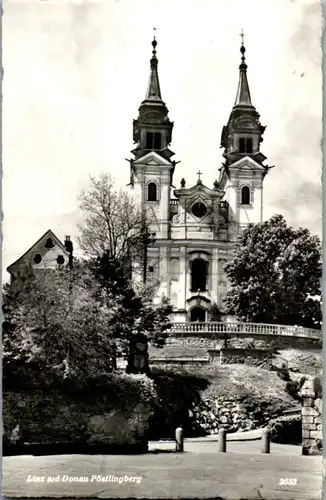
<point x="196" y="227"/>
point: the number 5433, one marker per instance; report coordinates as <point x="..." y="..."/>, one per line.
<point x="288" y="481"/>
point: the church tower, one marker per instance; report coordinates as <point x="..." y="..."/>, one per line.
<point x="152" y="169"/>
<point x="243" y="172"/>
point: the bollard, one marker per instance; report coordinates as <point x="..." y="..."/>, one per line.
<point x="179" y="439"/>
<point x="265" y="441"/>
<point x="221" y="441"/>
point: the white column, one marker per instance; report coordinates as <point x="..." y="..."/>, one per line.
<point x="183" y="278"/>
<point x="214" y="275"/>
<point x="164" y="271"/>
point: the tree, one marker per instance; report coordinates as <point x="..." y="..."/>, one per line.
<point x="115" y="234"/>
<point x="275" y="275"/>
<point x="113" y="223"/>
<point x="136" y="318"/>
<point x="58" y="322"/>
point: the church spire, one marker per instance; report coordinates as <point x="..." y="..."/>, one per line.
<point x="243" y="94"/>
<point x="153" y="88"/>
<point x="243" y="133"/>
<point x="152" y="131"/>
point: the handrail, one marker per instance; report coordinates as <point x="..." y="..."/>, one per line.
<point x="250" y="328"/>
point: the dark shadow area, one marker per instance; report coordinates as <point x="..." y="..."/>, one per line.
<point x="73" y="448"/>
<point x="177" y="393"/>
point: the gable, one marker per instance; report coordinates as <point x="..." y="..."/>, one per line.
<point x="42" y="255"/>
<point x="247" y="163"/>
<point x="152" y="158"/>
<point x="197" y="190"/>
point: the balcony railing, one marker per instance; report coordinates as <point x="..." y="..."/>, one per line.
<point x="249" y="328"/>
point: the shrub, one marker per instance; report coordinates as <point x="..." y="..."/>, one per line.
<point x="286" y="429"/>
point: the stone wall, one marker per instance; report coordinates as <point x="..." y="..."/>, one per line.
<point x="312" y="434"/>
<point x="47" y="417"/>
<point x="233" y="355"/>
<point x="214" y="339"/>
<point x="212" y="413"/>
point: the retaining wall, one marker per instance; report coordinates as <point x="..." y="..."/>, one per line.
<point x="312" y="434"/>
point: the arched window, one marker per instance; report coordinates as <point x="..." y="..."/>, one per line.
<point x="152" y="191"/>
<point x="245" y="195"/>
<point x="199" y="275"/>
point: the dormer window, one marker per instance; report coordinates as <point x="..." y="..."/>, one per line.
<point x="153" y="140"/>
<point x="245" y="145"/>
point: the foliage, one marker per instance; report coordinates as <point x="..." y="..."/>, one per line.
<point x="57" y="322"/>
<point x="214" y="313"/>
<point x="135" y="312"/>
<point x="115" y="235"/>
<point x="275" y="275"/>
<point x="286" y="429"/>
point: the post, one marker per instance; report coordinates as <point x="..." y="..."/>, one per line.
<point x="179" y="439"/>
<point x="221" y="441"/>
<point x="265" y="441"/>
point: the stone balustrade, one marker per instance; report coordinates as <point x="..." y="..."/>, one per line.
<point x="246" y="329"/>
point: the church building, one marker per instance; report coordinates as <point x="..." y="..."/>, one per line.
<point x="196" y="227"/>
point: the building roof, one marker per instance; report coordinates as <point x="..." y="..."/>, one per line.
<point x="48" y="234"/>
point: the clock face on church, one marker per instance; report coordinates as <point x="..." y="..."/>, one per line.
<point x="199" y="210"/>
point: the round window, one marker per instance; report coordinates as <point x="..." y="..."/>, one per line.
<point x="199" y="209"/>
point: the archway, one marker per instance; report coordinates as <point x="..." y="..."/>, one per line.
<point x="198" y="314"/>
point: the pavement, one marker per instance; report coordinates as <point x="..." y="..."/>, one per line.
<point x="200" y="472"/>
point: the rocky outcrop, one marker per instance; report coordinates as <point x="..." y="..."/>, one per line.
<point x="213" y="413"/>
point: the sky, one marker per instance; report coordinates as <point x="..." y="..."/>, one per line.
<point x="75" y="73"/>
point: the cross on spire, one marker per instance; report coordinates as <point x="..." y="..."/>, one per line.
<point x="199" y="173"/>
<point x="242" y="37"/>
<point x="154" y="30"/>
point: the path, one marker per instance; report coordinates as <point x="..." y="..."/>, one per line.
<point x="200" y="472"/>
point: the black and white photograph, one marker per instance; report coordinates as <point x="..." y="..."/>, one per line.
<point x="162" y="249"/>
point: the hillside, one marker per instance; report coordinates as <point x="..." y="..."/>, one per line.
<point x="205" y="397"/>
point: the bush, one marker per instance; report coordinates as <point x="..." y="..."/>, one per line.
<point x="286" y="430"/>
